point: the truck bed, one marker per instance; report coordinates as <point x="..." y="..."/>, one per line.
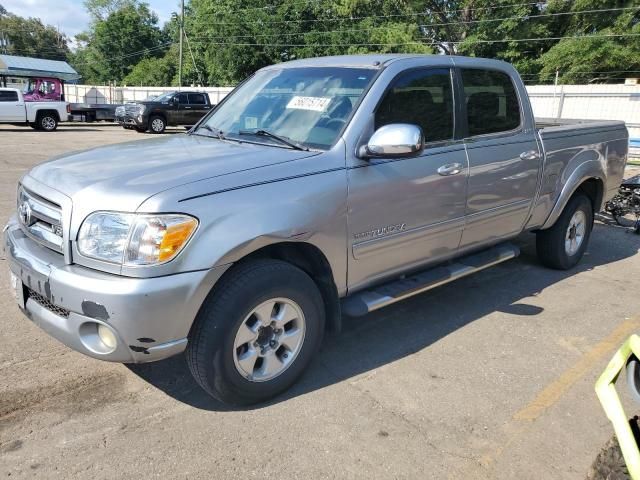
<point x="548" y="126"/>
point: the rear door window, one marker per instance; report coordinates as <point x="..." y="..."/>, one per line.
<point x="197" y="99"/>
<point x="491" y="100"/>
<point x="422" y="97"/>
<point x="8" y="96"/>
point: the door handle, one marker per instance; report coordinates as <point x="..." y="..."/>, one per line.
<point x="530" y="155"/>
<point x="450" y="169"/>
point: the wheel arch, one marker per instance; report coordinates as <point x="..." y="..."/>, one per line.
<point x="44" y="111"/>
<point x="590" y="185"/>
<point x="310" y="259"/>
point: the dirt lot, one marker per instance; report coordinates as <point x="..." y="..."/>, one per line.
<point x="489" y="377"/>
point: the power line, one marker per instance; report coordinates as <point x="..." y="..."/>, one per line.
<point x="371" y="29"/>
<point x="139" y="52"/>
<point x="412" y="14"/>
<point x="399" y="44"/>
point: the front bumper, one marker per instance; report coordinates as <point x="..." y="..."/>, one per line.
<point x="126" y="120"/>
<point x="150" y="317"/>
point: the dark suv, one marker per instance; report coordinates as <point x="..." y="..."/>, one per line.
<point x="171" y="108"/>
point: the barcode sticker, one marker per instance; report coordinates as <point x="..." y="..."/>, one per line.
<point x="317" y="104"/>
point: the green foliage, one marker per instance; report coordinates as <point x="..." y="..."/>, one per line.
<point x="123" y="33"/>
<point x="159" y="71"/>
<point x="29" y="37"/>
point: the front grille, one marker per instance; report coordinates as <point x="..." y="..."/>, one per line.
<point x="44" y="302"/>
<point x="40" y="219"/>
<point x="120" y="111"/>
<point x="131" y="109"/>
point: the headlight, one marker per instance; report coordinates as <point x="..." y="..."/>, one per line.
<point x="134" y="239"/>
<point x="141" y="109"/>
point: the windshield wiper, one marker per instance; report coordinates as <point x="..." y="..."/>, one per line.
<point x="267" y="133"/>
<point x="216" y="131"/>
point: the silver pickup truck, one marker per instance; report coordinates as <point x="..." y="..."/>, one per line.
<point x="317" y="188"/>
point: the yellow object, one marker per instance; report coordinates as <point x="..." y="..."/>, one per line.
<point x="606" y="391"/>
<point x="175" y="238"/>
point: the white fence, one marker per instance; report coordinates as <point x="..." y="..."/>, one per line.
<point x="92" y="94"/>
<point x="599" y="102"/>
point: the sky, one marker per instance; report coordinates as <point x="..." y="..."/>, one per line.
<point x="70" y="15"/>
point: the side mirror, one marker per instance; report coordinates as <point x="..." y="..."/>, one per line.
<point x="174" y="101"/>
<point x="395" y="140"/>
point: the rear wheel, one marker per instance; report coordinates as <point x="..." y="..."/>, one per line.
<point x="563" y="245"/>
<point x="47" y="122"/>
<point x="256" y="333"/>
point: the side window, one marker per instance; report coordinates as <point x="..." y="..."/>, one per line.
<point x="492" y="101"/>
<point x="8" y="96"/>
<point x="182" y="99"/>
<point x="197" y="99"/>
<point x="421" y="97"/>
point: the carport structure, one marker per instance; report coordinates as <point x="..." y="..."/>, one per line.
<point x="15" y="66"/>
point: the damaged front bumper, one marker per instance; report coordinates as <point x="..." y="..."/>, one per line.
<point x="149" y="318"/>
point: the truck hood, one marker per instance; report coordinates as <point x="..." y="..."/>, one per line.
<point x="122" y="176"/>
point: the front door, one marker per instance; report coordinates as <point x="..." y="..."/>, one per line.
<point x="407" y="212"/>
<point x="11" y="108"/>
<point x="181" y="113"/>
<point x="504" y="159"/>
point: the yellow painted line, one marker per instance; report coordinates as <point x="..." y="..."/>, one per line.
<point x="554" y="391"/>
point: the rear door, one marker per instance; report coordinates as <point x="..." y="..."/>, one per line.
<point x="12" y="108"/>
<point x="198" y="107"/>
<point x="504" y="159"/>
<point x="407" y="212"/>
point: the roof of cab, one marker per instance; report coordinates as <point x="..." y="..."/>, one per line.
<point x="378" y="60"/>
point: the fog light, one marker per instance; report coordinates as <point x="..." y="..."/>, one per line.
<point x="107" y="337"/>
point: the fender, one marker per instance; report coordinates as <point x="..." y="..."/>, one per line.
<point x="591" y="169"/>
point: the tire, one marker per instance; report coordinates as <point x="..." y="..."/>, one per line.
<point x="609" y="464"/>
<point x="222" y="361"/>
<point x="157" y="124"/>
<point x="551" y="245"/>
<point x="47" y="122"/>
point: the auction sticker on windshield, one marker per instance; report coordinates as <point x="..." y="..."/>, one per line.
<point x="317" y="104"/>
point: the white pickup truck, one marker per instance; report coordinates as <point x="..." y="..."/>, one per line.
<point x="39" y="115"/>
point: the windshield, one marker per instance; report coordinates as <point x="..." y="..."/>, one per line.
<point x="309" y="106"/>
<point x="165" y="97"/>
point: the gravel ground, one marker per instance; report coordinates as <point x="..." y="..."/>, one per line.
<point x="488" y="377"/>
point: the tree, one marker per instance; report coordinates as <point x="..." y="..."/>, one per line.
<point x="113" y="46"/>
<point x="31" y="38"/>
<point x="236" y="37"/>
<point x="99" y="10"/>
<point x="155" y="71"/>
<point x="600" y="47"/>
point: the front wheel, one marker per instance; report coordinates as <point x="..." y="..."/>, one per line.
<point x="157" y="124"/>
<point x="256" y="333"/>
<point x="563" y="245"/>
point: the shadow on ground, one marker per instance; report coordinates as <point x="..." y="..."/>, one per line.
<point x="399" y="330"/>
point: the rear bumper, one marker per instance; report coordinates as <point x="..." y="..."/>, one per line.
<point x="150" y="317"/>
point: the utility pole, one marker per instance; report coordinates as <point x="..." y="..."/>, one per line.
<point x="181" y="35"/>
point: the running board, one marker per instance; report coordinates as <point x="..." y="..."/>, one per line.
<point x="367" y="301"/>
